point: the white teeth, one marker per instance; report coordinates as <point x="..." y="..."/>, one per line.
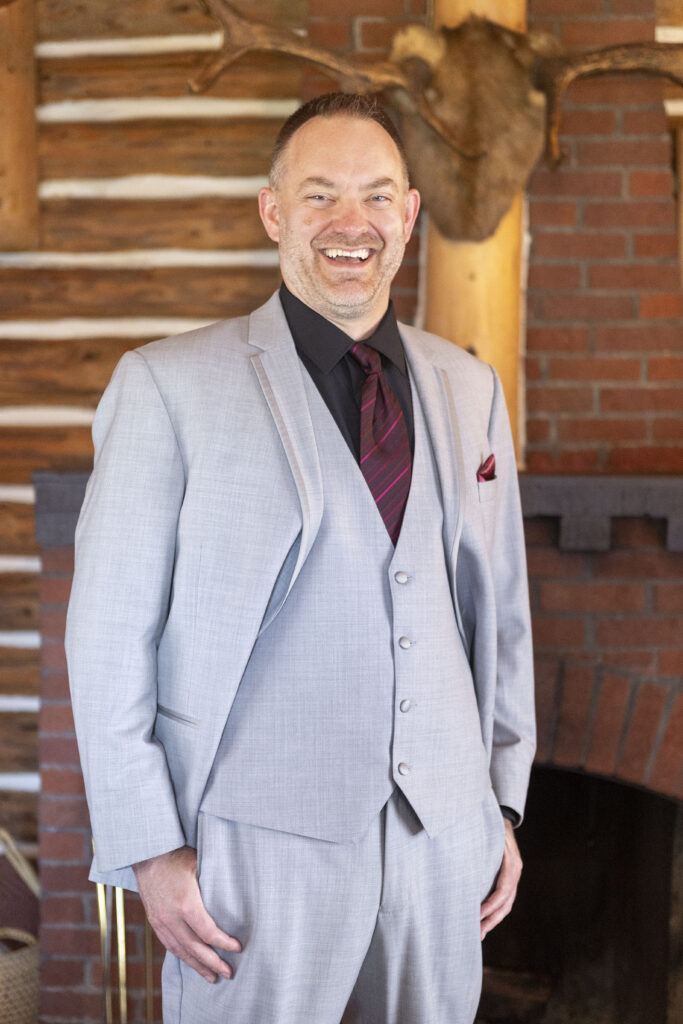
<point x="358" y="254"/>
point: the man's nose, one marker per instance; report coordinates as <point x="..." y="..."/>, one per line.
<point x="351" y="215"/>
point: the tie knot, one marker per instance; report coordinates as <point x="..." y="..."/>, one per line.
<point x="368" y="358"/>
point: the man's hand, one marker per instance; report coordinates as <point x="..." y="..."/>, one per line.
<point x="499" y="903"/>
<point x="170" y="895"/>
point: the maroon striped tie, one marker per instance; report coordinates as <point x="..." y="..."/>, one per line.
<point x="384" y="443"/>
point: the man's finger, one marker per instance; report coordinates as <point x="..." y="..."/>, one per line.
<point x="499" y="904"/>
<point x="206" y="928"/>
<point x="489" y="923"/>
<point x="186" y="945"/>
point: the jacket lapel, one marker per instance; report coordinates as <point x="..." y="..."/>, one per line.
<point x="438" y="404"/>
<point x="279" y="374"/>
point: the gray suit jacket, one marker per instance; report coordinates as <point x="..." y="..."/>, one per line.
<point x="206" y="478"/>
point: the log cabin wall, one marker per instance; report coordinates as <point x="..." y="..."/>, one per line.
<point x="148" y="226"/>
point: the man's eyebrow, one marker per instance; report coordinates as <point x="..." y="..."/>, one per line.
<point x="314" y="180"/>
<point x="323" y="182"/>
<point x="381" y="183"/>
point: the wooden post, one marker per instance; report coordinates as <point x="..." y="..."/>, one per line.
<point x="473" y="288"/>
<point x="18" y="149"/>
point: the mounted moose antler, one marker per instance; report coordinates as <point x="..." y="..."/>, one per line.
<point x="477" y="104"/>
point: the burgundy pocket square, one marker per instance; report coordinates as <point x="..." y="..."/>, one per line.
<point x="487" y="470"/>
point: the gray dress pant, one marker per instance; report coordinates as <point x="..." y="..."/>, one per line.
<point x="381" y="931"/>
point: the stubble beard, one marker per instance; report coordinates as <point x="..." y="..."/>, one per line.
<point x="347" y="299"/>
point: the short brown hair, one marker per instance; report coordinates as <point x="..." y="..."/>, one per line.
<point x="352" y="104"/>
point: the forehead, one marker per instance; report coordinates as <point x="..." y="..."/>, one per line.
<point x="340" y="145"/>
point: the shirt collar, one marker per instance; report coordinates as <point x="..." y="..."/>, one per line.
<point x="325" y="344"/>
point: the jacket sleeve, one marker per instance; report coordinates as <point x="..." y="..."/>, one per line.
<point x="514" y="728"/>
<point x="124" y="556"/>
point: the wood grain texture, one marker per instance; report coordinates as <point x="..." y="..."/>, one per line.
<point x="19" y="814"/>
<point x="56" y="373"/>
<point x="234" y="147"/>
<point x="210" y="293"/>
<point x="256" y="76"/>
<point x="678" y="143"/>
<point x="669" y="12"/>
<point x="94" y="225"/>
<point x="19" y="607"/>
<point x="18" y="741"/>
<point x="18" y="154"/>
<point x="26" y="449"/>
<point x="20" y="671"/>
<point x="17" y="530"/>
<point x="92" y="19"/>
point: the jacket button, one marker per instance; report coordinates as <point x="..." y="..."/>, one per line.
<point x="403" y="768"/>
<point x="405" y="705"/>
<point x="401" y="577"/>
<point x="404" y="643"/>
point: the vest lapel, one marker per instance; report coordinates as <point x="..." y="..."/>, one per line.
<point x="279" y="373"/>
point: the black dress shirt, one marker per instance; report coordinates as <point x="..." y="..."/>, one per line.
<point x="324" y="350"/>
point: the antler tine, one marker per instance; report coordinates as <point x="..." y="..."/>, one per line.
<point x="243" y="34"/>
<point x="555" y="74"/>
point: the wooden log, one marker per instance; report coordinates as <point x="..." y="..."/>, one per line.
<point x="474" y="288"/>
<point x="19" y="814"/>
<point x="97" y="225"/>
<point x="679" y="165"/>
<point x="17" y="530"/>
<point x="73" y="19"/>
<point x="19" y="607"/>
<point x="671" y="91"/>
<point x="19" y="671"/>
<point x="669" y="12"/>
<point x="23" y="450"/>
<point x="18" y="741"/>
<point x="18" y="159"/>
<point x="206" y="292"/>
<point x="256" y="76"/>
<point x="230" y="147"/>
<point x="56" y="373"/>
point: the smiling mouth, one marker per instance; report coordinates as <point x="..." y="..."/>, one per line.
<point x="346" y="256"/>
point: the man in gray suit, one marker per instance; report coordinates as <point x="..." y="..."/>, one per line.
<point x="298" y="636"/>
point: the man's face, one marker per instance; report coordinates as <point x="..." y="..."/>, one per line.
<point x="341" y="214"/>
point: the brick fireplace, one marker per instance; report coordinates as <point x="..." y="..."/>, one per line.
<point x="606" y="573"/>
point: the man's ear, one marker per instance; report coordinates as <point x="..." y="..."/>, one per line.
<point x="268" y="209"/>
<point x="412" y="210"/>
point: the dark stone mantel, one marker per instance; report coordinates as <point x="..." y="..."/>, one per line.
<point x="584" y="505"/>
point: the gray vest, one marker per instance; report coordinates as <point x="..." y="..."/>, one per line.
<point x="361" y="681"/>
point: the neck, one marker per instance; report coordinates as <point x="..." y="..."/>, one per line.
<point x="357" y="323"/>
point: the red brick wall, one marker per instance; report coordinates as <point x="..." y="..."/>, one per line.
<point x="609" y="652"/>
<point x="604" y="339"/>
<point x="71" y="974"/>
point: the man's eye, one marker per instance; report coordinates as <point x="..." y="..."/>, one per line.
<point x="381" y="199"/>
<point x="319" y="197"/>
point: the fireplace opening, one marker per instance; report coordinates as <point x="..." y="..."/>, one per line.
<point x="594" y="937"/>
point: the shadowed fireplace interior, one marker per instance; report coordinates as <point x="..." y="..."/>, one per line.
<point x="595" y="934"/>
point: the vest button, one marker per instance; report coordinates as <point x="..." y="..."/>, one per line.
<point x="403" y="768"/>
<point x="405" y="705"/>
<point x="401" y="577"/>
<point x="404" y="643"/>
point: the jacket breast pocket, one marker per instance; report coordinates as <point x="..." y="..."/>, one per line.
<point x="487" y="489"/>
